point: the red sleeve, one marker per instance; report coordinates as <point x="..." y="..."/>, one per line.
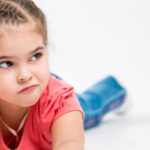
<point x="67" y="102"/>
<point x="58" y="99"/>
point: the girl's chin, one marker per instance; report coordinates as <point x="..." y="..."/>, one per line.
<point x="30" y="103"/>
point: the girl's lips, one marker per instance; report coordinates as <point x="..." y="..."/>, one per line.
<point x="28" y="89"/>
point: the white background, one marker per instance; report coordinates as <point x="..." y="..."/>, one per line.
<point x="90" y="39"/>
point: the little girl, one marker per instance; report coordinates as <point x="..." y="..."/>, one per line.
<point x="37" y="110"/>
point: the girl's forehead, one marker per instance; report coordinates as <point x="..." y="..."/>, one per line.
<point x="20" y="40"/>
<point x="9" y="29"/>
<point x="24" y="30"/>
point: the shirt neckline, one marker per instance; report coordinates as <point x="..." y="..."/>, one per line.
<point x="22" y="137"/>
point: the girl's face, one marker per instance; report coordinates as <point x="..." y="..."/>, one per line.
<point x="24" y="70"/>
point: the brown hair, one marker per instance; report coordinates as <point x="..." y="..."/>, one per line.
<point x="18" y="12"/>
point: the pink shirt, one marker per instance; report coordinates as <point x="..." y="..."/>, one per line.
<point x="57" y="99"/>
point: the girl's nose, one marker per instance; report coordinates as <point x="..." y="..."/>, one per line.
<point x="24" y="75"/>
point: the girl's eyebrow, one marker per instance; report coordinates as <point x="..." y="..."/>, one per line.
<point x="35" y="50"/>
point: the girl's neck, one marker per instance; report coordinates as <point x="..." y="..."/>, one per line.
<point x="12" y="114"/>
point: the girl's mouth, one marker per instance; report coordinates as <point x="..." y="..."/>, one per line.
<point x="28" y="89"/>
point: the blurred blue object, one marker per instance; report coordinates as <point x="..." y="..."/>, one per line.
<point x="103" y="97"/>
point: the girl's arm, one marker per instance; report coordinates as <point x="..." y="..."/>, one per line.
<point x="67" y="132"/>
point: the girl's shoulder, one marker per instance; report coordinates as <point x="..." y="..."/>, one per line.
<point x="57" y="86"/>
<point x="57" y="96"/>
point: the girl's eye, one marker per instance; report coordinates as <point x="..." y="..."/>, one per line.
<point x="5" y="64"/>
<point x="36" y="57"/>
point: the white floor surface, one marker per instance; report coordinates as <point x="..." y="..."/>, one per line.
<point x="130" y="132"/>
